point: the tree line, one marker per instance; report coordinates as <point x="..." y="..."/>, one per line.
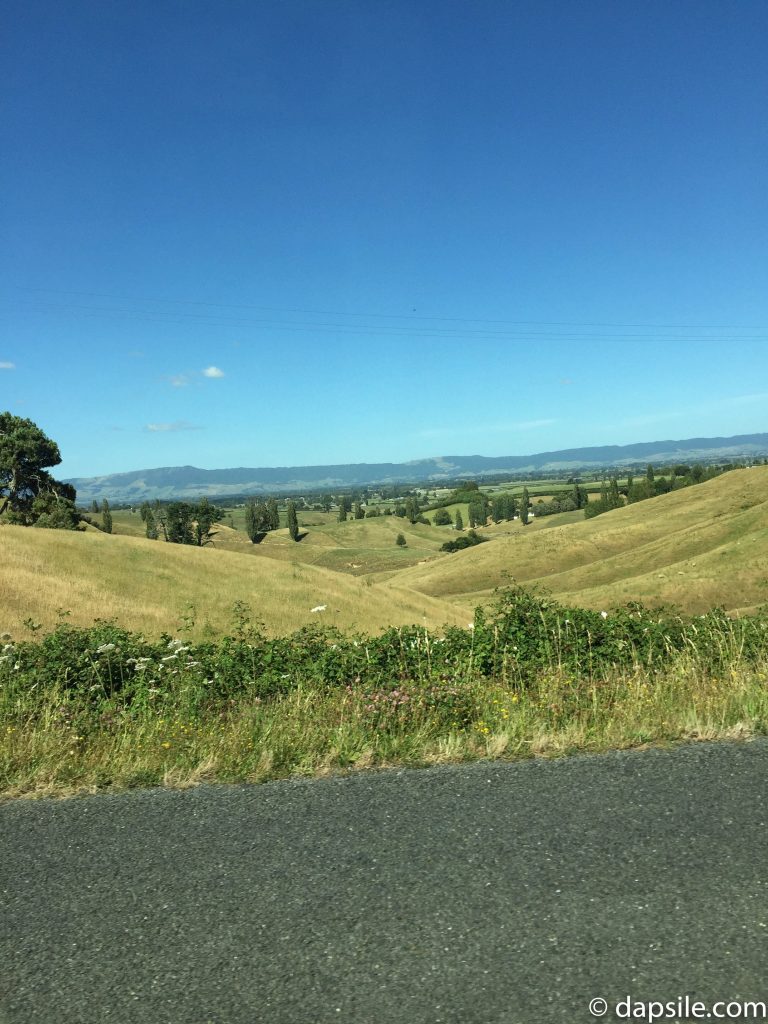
<point x="612" y="495"/>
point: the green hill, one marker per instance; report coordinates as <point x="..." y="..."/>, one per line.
<point x="698" y="547"/>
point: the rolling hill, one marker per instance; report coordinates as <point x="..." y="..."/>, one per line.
<point x="697" y="548"/>
<point x="149" y="586"/>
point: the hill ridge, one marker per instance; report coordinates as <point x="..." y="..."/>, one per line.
<point x="188" y="481"/>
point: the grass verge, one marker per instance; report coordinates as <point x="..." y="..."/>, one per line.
<point x="90" y="710"/>
<point x="314" y="731"/>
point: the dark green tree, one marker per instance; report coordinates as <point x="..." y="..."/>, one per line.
<point x="477" y="514"/>
<point x="256" y="520"/>
<point x="151" y="525"/>
<point x="95" y="507"/>
<point x="458" y="521"/>
<point x="400" y="540"/>
<point x="510" y="507"/>
<point x="205" y="515"/>
<point x="179" y="522"/>
<point x="442" y="517"/>
<point x="106" y="517"/>
<point x="273" y="514"/>
<point x="54" y="513"/>
<point x="25" y="454"/>
<point x="525" y="507"/>
<point x="614" y="498"/>
<point x="293" y="522"/>
<point x="358" y="510"/>
<point x="412" y="512"/>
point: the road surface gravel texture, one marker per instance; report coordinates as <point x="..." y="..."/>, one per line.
<point x="477" y="894"/>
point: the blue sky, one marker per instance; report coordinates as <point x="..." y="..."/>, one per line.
<point x="282" y="233"/>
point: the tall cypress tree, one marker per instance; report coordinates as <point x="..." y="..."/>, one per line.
<point x="149" y="519"/>
<point x="273" y="514"/>
<point x="106" y="517"/>
<point x="293" y="522"/>
<point x="525" y="507"/>
<point x="459" y="521"/>
<point x="614" y="498"/>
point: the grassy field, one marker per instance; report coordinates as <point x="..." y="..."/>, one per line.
<point x="149" y="586"/>
<point x="697" y="547"/>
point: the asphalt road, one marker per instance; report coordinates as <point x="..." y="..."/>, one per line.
<point x="471" y="895"/>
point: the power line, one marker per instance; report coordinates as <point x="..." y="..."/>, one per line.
<point x="392" y="330"/>
<point x="401" y="316"/>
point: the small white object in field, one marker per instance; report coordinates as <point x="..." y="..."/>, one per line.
<point x="320" y="608"/>
<point x="603" y="615"/>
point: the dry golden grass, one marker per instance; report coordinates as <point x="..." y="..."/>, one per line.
<point x="702" y="546"/>
<point x="146" y="585"/>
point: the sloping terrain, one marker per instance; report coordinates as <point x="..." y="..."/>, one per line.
<point x="702" y="546"/>
<point x="699" y="547"/>
<point x="149" y="586"/>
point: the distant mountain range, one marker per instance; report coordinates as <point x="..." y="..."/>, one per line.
<point x="187" y="482"/>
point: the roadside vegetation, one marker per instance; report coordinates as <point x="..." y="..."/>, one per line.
<point x="89" y="709"/>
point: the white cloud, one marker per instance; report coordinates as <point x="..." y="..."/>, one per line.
<point x="163" y="428"/>
<point x="179" y="380"/>
<point x="213" y="371"/>
<point x="7" y="366"/>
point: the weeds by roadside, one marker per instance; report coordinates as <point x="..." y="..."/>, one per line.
<point x="85" y="709"/>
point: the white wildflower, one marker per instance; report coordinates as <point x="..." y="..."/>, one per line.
<point x="319" y="608"/>
<point x="603" y="615"/>
<point x="104" y="648"/>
